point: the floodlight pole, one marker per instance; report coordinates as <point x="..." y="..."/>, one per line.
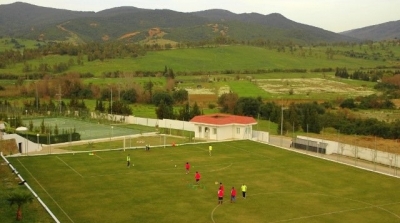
<point x="26" y="144"/>
<point x="111" y="102"/>
<point x="49" y="142"/>
<point x="282" y="108"/>
<point x="37" y="135"/>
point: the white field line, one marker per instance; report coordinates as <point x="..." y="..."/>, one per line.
<point x="162" y="171"/>
<point x="212" y="213"/>
<point x="46" y="191"/>
<point x="236" y="147"/>
<point x="369" y="205"/>
<point x="69" y="166"/>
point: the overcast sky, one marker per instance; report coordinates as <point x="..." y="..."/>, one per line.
<point x="332" y="15"/>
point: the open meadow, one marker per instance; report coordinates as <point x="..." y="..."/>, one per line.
<point x="221" y="58"/>
<point x="283" y="186"/>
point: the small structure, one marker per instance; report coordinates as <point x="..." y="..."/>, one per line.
<point x="309" y="145"/>
<point x="223" y="126"/>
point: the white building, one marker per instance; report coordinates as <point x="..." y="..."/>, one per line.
<point x="223" y="126"/>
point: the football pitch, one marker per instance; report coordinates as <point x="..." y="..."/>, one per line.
<point x="283" y="186"/>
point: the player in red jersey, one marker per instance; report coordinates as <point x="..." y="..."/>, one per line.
<point x="187" y="167"/>
<point x="220" y="196"/>
<point x="197" y="177"/>
<point x="221" y="186"/>
<point x="233" y="195"/>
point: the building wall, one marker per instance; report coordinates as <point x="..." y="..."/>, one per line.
<point x="24" y="144"/>
<point x="212" y="132"/>
<point x="161" y="123"/>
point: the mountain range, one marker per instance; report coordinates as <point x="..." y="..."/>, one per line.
<point x="23" y="20"/>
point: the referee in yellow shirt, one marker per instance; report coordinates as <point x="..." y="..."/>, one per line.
<point x="244" y="190"/>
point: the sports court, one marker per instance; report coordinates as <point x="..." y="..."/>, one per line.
<point x="88" y="130"/>
<point x="283" y="186"/>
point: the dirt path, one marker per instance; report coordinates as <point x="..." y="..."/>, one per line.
<point x="76" y="39"/>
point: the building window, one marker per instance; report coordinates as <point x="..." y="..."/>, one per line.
<point x="215" y="131"/>
<point x="237" y="130"/>
<point x="199" y="128"/>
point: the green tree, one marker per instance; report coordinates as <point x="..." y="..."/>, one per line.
<point x="184" y="113"/>
<point x="195" y="111"/>
<point x="162" y="96"/>
<point x="180" y="95"/>
<point x="19" y="197"/>
<point x="164" y="111"/>
<point x="248" y="106"/>
<point x="293" y="118"/>
<point x="310" y="119"/>
<point x="130" y="95"/>
<point x="270" y="111"/>
<point x="348" y="103"/>
<point x="30" y="125"/>
<point x="42" y="127"/>
<point x="148" y="86"/>
<point x="56" y="130"/>
<point x="227" y="102"/>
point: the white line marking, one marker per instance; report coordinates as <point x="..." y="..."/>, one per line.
<point x="323" y="214"/>
<point x="69" y="166"/>
<point x="222" y="168"/>
<point x="255" y="153"/>
<point x="45" y="191"/>
<point x="212" y="213"/>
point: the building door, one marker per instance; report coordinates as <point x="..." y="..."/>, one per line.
<point x="206" y="133"/>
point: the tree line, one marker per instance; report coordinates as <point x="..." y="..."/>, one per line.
<point x="309" y="117"/>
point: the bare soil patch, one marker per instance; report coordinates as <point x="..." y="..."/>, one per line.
<point x="203" y="99"/>
<point x="308" y="85"/>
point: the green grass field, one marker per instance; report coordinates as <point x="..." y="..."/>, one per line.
<point x="283" y="186"/>
<point x="237" y="58"/>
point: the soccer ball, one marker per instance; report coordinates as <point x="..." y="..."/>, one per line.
<point x="175" y="165"/>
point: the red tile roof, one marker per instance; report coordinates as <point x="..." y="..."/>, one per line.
<point x="223" y="119"/>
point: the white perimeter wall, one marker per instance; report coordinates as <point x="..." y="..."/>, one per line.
<point x="223" y="132"/>
<point x="162" y="123"/>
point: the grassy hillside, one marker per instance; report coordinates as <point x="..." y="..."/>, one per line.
<point x="236" y="58"/>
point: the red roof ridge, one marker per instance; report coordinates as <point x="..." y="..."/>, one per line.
<point x="223" y="119"/>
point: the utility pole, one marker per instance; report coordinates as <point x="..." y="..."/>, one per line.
<point x="37" y="98"/>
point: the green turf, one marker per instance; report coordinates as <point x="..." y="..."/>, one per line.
<point x="283" y="186"/>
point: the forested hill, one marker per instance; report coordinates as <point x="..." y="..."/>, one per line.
<point x="133" y="24"/>
<point x="383" y="31"/>
<point x="19" y="18"/>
